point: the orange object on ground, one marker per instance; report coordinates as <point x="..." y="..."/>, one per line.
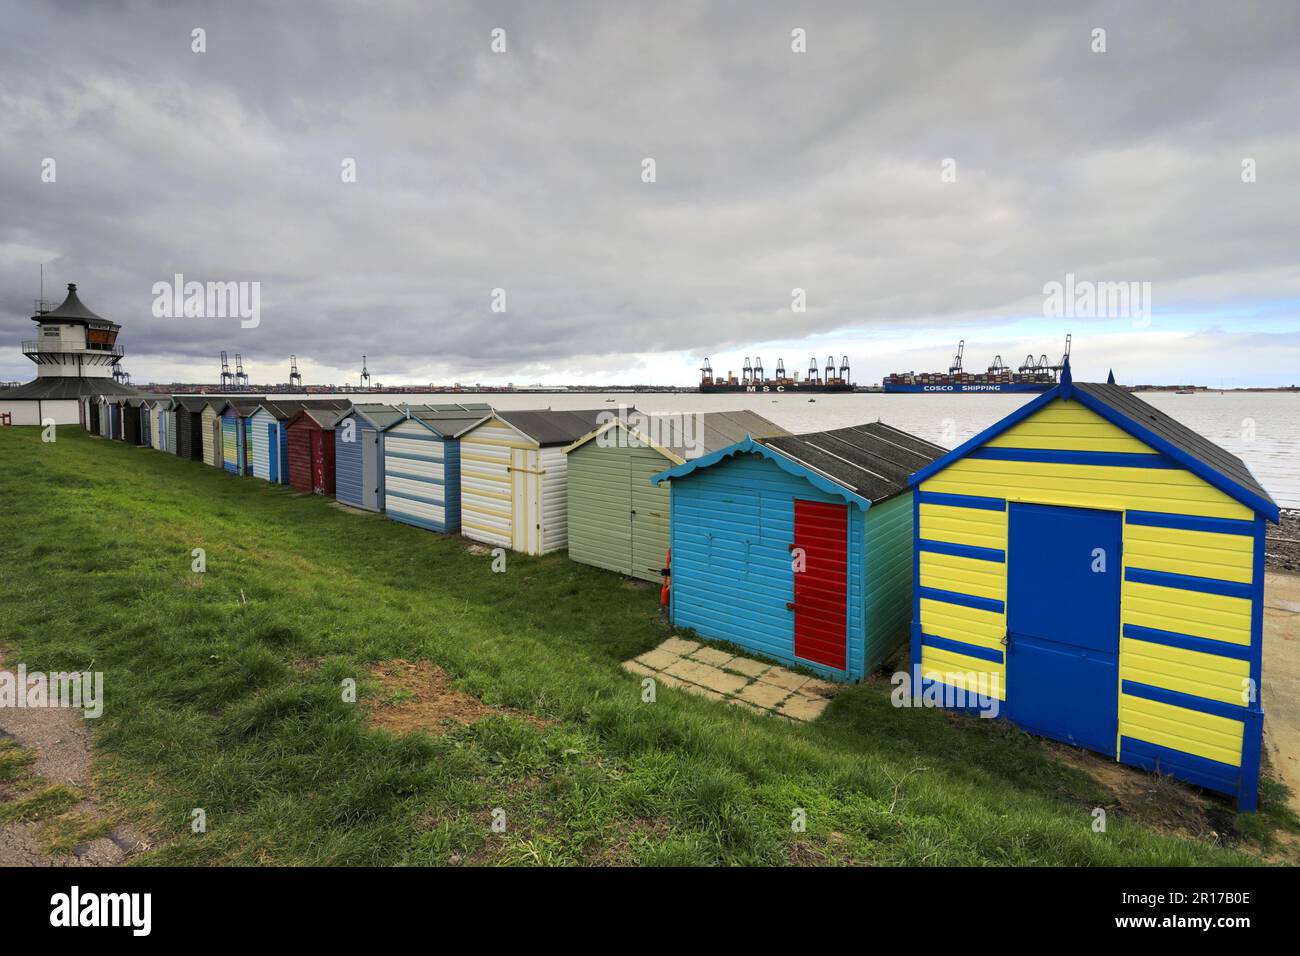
<point x="667" y="572"/>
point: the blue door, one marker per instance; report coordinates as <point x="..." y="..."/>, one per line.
<point x="1063" y="582"/>
<point x="273" y="450"/>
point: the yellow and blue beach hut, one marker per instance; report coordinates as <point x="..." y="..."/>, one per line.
<point x="1099" y="567"/>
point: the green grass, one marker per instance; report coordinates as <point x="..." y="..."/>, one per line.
<point x="223" y="693"/>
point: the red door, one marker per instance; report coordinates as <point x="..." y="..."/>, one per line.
<point x="821" y="531"/>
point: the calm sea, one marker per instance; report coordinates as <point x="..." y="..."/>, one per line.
<point x="1263" y="428"/>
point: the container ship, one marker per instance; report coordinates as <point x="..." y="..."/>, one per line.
<point x="1031" y="376"/>
<point x="753" y="379"/>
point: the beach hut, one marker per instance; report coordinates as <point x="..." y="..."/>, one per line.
<point x="513" y="477"/>
<point x="268" y="436"/>
<point x="157" y="432"/>
<point x="93" y="408"/>
<point x="618" y="520"/>
<point x="310" y="450"/>
<point x="418" y="476"/>
<point x="132" y="428"/>
<point x="213" y="440"/>
<point x="359" y="453"/>
<point x="189" y="427"/>
<point x="235" y="450"/>
<point x="171" y="444"/>
<point x="1096" y="569"/>
<point x="799" y="548"/>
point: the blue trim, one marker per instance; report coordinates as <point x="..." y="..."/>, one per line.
<point x="420" y="523"/>
<point x="961" y="647"/>
<point x="1121" y="459"/>
<point x="962" y="550"/>
<point x="788" y="465"/>
<point x="1189" y="582"/>
<point x="410" y="497"/>
<point x="964" y="600"/>
<point x="1238" y="652"/>
<point x="1201" y="771"/>
<point x="1187" y="701"/>
<point x="1158" y="519"/>
<point x="961" y="501"/>
<point x="389" y="453"/>
<point x="966" y="447"/>
<point x="1066" y="390"/>
<point x="915" y="649"/>
<point x="389" y="473"/>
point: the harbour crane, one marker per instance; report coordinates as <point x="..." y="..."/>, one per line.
<point x="241" y="378"/>
<point x="814" y="374"/>
<point x="780" y="370"/>
<point x="226" y="377"/>
<point x="830" y="369"/>
<point x="998" y="367"/>
<point x="955" y="368"/>
<point x="844" y="369"/>
<point x="746" y="371"/>
<point x="758" y="370"/>
<point x="706" y="371"/>
<point x="1064" y="358"/>
<point x="295" y="378"/>
<point x="1033" y="367"/>
<point x="365" y="375"/>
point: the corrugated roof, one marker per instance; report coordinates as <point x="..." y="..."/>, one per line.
<point x="550" y="427"/>
<point x="67" y="388"/>
<point x="873" y="460"/>
<point x="452" y="419"/>
<point x="1176" y="433"/>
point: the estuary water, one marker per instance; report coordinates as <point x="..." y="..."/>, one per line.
<point x="1263" y="428"/>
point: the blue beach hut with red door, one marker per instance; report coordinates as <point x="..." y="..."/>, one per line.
<point x="799" y="547"/>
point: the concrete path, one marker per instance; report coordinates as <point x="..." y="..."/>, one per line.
<point x="754" y="685"/>
<point x="1281" y="691"/>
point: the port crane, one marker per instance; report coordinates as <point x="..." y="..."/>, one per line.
<point x="999" y="367"/>
<point x="955" y="367"/>
<point x="706" y="370"/>
<point x="226" y="376"/>
<point x="241" y="378"/>
<point x="746" y="371"/>
<point x="814" y="374"/>
<point x="1064" y="358"/>
<point x="121" y="375"/>
<point x="365" y="375"/>
<point x="758" y="370"/>
<point x="780" y="370"/>
<point x="844" y="369"/>
<point x="295" y="378"/>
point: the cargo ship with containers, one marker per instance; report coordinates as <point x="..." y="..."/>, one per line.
<point x="753" y="378"/>
<point x="1031" y="376"/>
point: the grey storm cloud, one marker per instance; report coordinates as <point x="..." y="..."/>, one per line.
<point x="522" y="170"/>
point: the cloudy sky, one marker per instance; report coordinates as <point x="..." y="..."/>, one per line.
<point x="922" y="172"/>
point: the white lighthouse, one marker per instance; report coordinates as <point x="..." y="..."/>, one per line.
<point x="76" y="353"/>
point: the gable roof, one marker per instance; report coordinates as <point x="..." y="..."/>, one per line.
<point x="863" y="464"/>
<point x="192" y="403"/>
<point x="1159" y="430"/>
<point x="243" y="406"/>
<point x="874" y="460"/>
<point x="284" y="410"/>
<point x="712" y="431"/>
<point x="550" y="427"/>
<point x="326" y="418"/>
<point x="449" y="420"/>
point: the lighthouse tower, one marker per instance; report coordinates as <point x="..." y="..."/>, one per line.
<point x="75" y="352"/>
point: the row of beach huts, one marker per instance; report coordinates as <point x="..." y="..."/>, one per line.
<point x="1088" y="566"/>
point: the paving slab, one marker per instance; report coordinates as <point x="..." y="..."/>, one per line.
<point x="723" y="682"/>
<point x="747" y="666"/>
<point x="678" y="646"/>
<point x="638" y="668"/>
<point x="766" y="696"/>
<point x="659" y="659"/>
<point x="783" y="678"/>
<point x="711" y="655"/>
<point x="803" y="708"/>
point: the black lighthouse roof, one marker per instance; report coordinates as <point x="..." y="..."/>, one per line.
<point x="71" y="309"/>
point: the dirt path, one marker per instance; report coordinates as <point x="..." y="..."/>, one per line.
<point x="63" y="744"/>
<point x="1281" y="690"/>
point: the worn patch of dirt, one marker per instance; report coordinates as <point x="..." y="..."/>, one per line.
<point x="418" y="695"/>
<point x="74" y="828"/>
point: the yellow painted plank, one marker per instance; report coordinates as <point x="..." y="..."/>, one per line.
<point x="1225" y="557"/>
<point x="1189" y="672"/>
<point x="1069" y="426"/>
<point x="1190" y="731"/>
<point x="962" y="670"/>
<point x="1213" y="616"/>
<point x="969" y="526"/>
<point x="975" y="626"/>
<point x="948" y="572"/>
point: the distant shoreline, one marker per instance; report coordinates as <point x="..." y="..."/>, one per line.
<point x="180" y="388"/>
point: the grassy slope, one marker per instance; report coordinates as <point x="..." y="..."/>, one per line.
<point x="213" y="700"/>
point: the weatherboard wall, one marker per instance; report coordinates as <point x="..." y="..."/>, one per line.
<point x="732" y="530"/>
<point x="421" y="477"/>
<point x="1188" y="641"/>
<point x="617" y="519"/>
<point x="358" y="463"/>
